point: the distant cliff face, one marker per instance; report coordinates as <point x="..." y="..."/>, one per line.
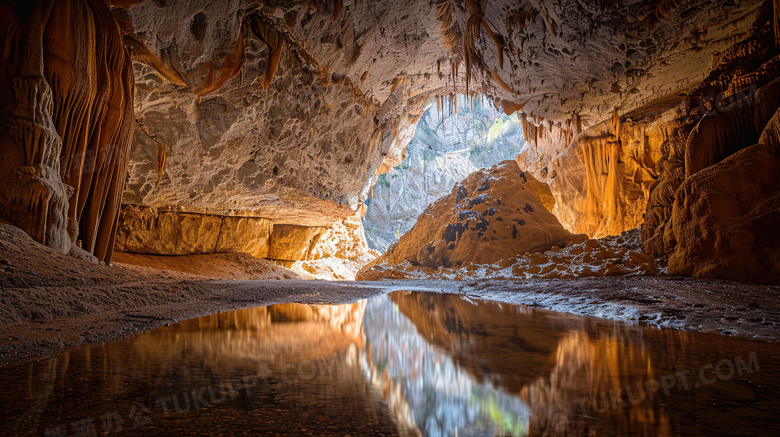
<point x="446" y="148"/>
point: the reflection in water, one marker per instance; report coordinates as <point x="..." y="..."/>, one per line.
<point x="407" y="363"/>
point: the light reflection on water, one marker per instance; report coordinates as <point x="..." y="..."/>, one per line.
<point x="403" y="364"/>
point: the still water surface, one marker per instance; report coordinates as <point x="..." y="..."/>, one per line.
<point x="403" y="364"/>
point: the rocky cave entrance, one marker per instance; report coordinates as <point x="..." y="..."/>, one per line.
<point x="447" y="147"/>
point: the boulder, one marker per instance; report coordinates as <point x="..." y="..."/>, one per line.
<point x="492" y="215"/>
<point x="726" y="218"/>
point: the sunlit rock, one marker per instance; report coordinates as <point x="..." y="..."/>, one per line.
<point x="492" y="215"/>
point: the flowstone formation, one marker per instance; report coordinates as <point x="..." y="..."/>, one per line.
<point x="694" y="176"/>
<point x="66" y="117"/>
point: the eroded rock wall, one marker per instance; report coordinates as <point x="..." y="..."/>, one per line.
<point x="694" y="176"/>
<point x="67" y="118"/>
<point x="290" y="111"/>
<point x="716" y="212"/>
<point x="152" y="231"/>
<point x="249" y="110"/>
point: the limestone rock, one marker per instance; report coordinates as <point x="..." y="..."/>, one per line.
<point x="292" y="242"/>
<point x="609" y="256"/>
<point x="291" y="111"/>
<point x="144" y="230"/>
<point x="726" y="219"/>
<point x="488" y="217"/>
<point x="150" y="231"/>
<point x="332" y="268"/>
<point x="725" y="113"/>
<point x="279" y="105"/>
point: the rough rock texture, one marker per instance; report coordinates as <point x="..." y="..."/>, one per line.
<point x="726" y="219"/>
<point x="269" y="107"/>
<point x="609" y="256"/>
<point x="145" y="230"/>
<point x="291" y="111"/>
<point x="66" y="117"/>
<point x="714" y="207"/>
<point x="234" y="266"/>
<point x="600" y="181"/>
<point x="332" y="268"/>
<point x="652" y="166"/>
<point x="492" y="215"/>
<point x="445" y="149"/>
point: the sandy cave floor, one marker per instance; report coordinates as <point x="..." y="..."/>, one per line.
<point x="50" y="301"/>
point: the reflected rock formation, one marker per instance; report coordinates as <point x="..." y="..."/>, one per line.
<point x="404" y="364"/>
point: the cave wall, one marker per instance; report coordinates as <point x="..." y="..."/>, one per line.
<point x="289" y="111"/>
<point x="694" y="176"/>
<point x="67" y="117"/>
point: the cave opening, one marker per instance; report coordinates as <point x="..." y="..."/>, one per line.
<point x="449" y="144"/>
<point x="450" y="217"/>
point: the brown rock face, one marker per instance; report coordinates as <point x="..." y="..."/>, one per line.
<point x="67" y="114"/>
<point x="714" y="207"/>
<point x="151" y="231"/>
<point x="726" y="219"/>
<point x="492" y="215"/>
<point x="154" y="232"/>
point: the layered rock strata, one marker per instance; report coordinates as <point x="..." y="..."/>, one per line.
<point x="151" y="231"/>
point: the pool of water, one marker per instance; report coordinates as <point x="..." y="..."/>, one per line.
<point x="403" y="364"/>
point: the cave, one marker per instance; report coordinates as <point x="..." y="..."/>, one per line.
<point x="447" y="217"/>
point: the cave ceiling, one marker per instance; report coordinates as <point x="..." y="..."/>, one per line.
<point x="264" y="107"/>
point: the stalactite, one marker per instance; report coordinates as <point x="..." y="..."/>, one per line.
<point x="275" y="41"/>
<point x="142" y="54"/>
<point x="616" y="122"/>
<point x="447" y="23"/>
<point x="473" y="34"/>
<point x="776" y="13"/>
<point x="665" y="9"/>
<point x="520" y="19"/>
<point x="550" y="23"/>
<point x="337" y="5"/>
